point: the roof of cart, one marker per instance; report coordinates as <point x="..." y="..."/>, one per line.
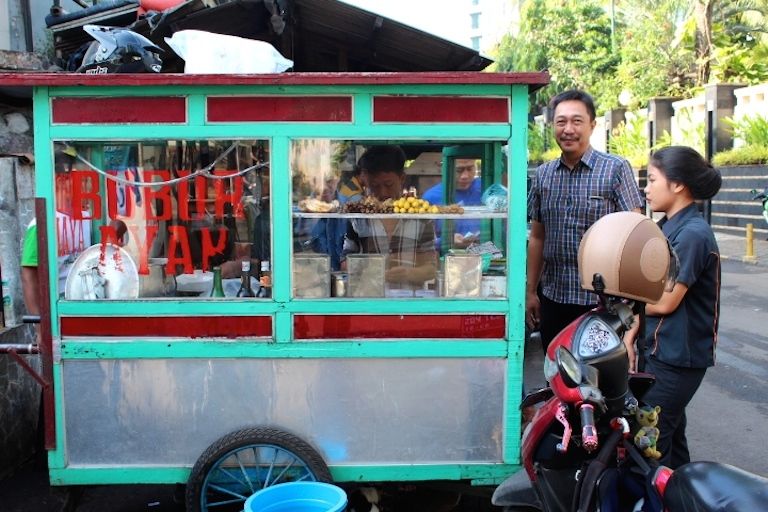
<point x="24" y="79"/>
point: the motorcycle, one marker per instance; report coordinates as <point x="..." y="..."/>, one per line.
<point x="761" y="196"/>
<point x="578" y="451"/>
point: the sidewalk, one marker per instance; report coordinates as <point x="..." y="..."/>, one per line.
<point x="734" y="247"/>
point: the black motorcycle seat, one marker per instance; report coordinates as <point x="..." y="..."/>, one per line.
<point x="711" y="486"/>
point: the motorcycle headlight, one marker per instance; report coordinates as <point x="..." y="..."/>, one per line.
<point x="596" y="338"/>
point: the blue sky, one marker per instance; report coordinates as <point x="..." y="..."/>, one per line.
<point x="444" y="18"/>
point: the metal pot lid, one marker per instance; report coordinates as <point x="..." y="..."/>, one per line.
<point x="102" y="272"/>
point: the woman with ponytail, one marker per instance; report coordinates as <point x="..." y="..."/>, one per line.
<point x="680" y="335"/>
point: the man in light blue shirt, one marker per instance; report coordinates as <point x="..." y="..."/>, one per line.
<point x="468" y="193"/>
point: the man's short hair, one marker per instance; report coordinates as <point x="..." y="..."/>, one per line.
<point x="574" y="95"/>
<point x="378" y="159"/>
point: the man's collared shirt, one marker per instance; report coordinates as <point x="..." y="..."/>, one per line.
<point x="409" y="238"/>
<point x="687" y="337"/>
<point x="567" y="202"/>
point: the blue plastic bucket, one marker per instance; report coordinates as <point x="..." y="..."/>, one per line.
<point x="298" y="497"/>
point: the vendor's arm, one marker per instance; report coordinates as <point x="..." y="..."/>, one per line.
<point x="30" y="285"/>
<point x="424" y="269"/>
<point x="424" y="266"/>
<point x="350" y="245"/>
<point x="533" y="274"/>
<point x="30" y="282"/>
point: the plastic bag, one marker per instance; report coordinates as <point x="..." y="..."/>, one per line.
<point x="495" y="197"/>
<point x="209" y="53"/>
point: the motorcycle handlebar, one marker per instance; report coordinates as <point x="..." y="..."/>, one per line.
<point x="588" y="430"/>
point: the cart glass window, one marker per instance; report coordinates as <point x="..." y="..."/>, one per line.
<point x="161" y="218"/>
<point x="376" y="219"/>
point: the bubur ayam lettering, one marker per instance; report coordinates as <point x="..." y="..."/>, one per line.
<point x="158" y="206"/>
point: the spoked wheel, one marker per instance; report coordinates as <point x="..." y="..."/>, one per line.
<point x="243" y="462"/>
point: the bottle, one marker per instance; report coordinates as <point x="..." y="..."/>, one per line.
<point x="218" y="287"/>
<point x="265" y="280"/>
<point x="245" y="280"/>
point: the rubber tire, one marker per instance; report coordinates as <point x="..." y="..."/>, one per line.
<point x="247" y="437"/>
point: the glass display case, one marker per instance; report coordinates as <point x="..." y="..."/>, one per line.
<point x="414" y="235"/>
<point x="163" y="215"/>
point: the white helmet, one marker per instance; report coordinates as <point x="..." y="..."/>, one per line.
<point x="631" y="254"/>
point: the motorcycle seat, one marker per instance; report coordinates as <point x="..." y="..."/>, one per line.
<point x="711" y="486"/>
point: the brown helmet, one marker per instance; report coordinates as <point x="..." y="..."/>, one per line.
<point x="631" y="254"/>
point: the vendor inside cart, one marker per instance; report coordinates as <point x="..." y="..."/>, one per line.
<point x="409" y="244"/>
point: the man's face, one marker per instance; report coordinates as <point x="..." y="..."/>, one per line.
<point x="573" y="128"/>
<point x="385" y="185"/>
<point x="465" y="173"/>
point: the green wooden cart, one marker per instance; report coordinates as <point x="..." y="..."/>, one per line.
<point x="154" y="381"/>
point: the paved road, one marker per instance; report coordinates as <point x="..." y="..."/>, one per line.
<point x="728" y="417"/>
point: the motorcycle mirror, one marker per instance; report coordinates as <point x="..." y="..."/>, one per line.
<point x="568" y="367"/>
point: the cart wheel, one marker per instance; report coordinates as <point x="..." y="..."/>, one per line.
<point x="241" y="463"/>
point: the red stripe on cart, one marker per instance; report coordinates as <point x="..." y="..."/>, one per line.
<point x="119" y="110"/>
<point x="176" y="327"/>
<point x="279" y="108"/>
<point x="398" y="326"/>
<point x="439" y="109"/>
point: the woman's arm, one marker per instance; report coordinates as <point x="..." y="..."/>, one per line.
<point x="669" y="301"/>
<point x="629" y="341"/>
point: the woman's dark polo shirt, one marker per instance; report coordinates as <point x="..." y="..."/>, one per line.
<point x="687" y="337"/>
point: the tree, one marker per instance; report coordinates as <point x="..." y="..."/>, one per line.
<point x="572" y="40"/>
<point x="662" y="47"/>
<point x="702" y="14"/>
<point x="655" y="48"/>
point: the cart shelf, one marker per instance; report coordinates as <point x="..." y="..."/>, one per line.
<point x="489" y="214"/>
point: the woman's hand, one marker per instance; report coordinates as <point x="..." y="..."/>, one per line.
<point x="629" y="341"/>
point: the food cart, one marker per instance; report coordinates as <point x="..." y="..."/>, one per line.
<point x="146" y="183"/>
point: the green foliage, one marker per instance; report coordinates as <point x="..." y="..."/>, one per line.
<point x="740" y="45"/>
<point x="628" y="140"/>
<point x="540" y="141"/>
<point x="551" y="154"/>
<point x="745" y="155"/>
<point x="753" y="130"/>
<point x="653" y="52"/>
<point x="656" y="49"/>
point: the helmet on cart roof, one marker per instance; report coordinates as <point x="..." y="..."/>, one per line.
<point x="631" y="254"/>
<point x="119" y="50"/>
